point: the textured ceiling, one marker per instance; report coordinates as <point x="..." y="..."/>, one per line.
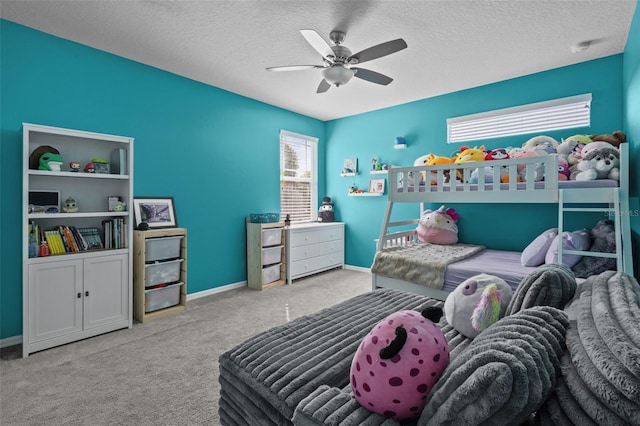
<point x="452" y="45"/>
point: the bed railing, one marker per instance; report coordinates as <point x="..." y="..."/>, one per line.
<point x="515" y="182"/>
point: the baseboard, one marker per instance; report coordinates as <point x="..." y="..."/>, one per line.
<point x="11" y="341"/>
<point x="357" y="268"/>
<point x="215" y="290"/>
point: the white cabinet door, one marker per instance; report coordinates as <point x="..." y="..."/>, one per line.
<point x="55" y="299"/>
<point x="106" y="290"/>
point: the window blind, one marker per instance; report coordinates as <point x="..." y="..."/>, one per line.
<point x="558" y="114"/>
<point x="298" y="177"/>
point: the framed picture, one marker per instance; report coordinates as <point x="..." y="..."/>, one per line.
<point x="156" y="212"/>
<point x="376" y="185"/>
<point x="350" y="165"/>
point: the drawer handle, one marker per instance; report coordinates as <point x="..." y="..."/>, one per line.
<point x="79" y="295"/>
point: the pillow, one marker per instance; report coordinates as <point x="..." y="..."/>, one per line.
<point x="534" y="254"/>
<point x="576" y="240"/>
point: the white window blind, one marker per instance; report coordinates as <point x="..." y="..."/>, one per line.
<point x="558" y="114"/>
<point x="298" y="177"/>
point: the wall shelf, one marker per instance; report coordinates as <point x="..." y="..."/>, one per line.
<point x="365" y="194"/>
<point x="379" y="172"/>
<point x="349" y="174"/>
<point x="400" y="146"/>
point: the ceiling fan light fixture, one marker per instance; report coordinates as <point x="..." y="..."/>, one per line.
<point x="337" y="75"/>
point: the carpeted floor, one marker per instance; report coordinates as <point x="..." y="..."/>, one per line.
<point x="163" y="372"/>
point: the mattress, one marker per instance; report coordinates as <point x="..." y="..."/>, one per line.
<point x="503" y="264"/>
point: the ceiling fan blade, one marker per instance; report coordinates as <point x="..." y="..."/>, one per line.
<point x="318" y="43"/>
<point x="379" y="51"/>
<point x="295" y="68"/>
<point x="372" y="76"/>
<point x="323" y="87"/>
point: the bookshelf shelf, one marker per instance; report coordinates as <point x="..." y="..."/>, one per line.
<point x="73" y="286"/>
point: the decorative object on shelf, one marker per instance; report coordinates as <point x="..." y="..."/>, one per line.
<point x="70" y="205"/>
<point x="325" y="212"/>
<point x="353" y="189"/>
<point x="376" y="186"/>
<point x="115" y="204"/>
<point x="264" y="217"/>
<point x="101" y="165"/>
<point x="374" y="163"/>
<point x="90" y="168"/>
<point x="44" y="201"/>
<point x="157" y="212"/>
<point x="50" y="161"/>
<point x="350" y="167"/>
<point x="74" y="166"/>
<point x="34" y="158"/>
<point x="400" y="143"/>
<point x="378" y="167"/>
<point x="287" y="220"/>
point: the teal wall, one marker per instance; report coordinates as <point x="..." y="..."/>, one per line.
<point x="216" y="152"/>
<point x="423" y="124"/>
<point x="631" y="122"/>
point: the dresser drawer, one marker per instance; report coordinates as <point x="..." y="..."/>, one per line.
<point x="304" y="252"/>
<point x="320" y="263"/>
<point x="301" y="238"/>
<point x="331" y="247"/>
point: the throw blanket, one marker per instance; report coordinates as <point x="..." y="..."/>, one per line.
<point x="504" y="375"/>
<point x="423" y="264"/>
<point x="600" y="383"/>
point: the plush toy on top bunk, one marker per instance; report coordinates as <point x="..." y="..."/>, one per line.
<point x="438" y="227"/>
<point x="600" y="160"/>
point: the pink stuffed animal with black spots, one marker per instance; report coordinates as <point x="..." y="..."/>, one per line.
<point x="398" y="363"/>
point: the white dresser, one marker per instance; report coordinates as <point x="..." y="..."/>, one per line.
<point x="314" y="247"/>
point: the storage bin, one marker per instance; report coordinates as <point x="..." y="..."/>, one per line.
<point x="271" y="255"/>
<point x="264" y="217"/>
<point x="270" y="273"/>
<point x="162" y="297"/>
<point x="271" y="237"/>
<point x="162" y="272"/>
<point x="162" y="248"/>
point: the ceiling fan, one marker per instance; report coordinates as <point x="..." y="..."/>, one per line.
<point x="338" y="67"/>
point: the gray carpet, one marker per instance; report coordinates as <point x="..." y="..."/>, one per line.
<point x="163" y="372"/>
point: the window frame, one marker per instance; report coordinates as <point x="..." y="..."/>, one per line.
<point x="556" y="114"/>
<point x="312" y="145"/>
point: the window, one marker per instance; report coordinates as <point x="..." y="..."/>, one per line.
<point x="298" y="177"/>
<point x="558" y="114"/>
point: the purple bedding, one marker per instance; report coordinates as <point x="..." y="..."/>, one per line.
<point x="566" y="184"/>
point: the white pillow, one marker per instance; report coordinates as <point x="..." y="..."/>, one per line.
<point x="534" y="254"/>
<point x="576" y="240"/>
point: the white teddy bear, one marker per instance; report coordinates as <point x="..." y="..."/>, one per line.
<point x="600" y="160"/>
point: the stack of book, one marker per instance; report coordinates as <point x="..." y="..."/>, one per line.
<point x="65" y="239"/>
<point x="115" y="233"/>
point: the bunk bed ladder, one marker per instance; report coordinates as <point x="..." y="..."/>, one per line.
<point x="611" y="198"/>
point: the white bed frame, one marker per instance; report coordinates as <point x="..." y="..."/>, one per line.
<point x="404" y="188"/>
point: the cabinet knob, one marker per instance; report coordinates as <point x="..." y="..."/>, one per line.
<point x="79" y="295"/>
<point x="86" y="293"/>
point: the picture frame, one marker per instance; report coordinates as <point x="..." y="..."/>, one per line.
<point x="350" y="166"/>
<point x="376" y="186"/>
<point x="157" y="212"/>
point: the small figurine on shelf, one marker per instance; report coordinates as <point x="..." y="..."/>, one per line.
<point x="90" y="168"/>
<point x="50" y="161"/>
<point x="70" y="205"/>
<point x="353" y="188"/>
<point x="74" y="166"/>
<point x="374" y="163"/>
<point x="287" y="220"/>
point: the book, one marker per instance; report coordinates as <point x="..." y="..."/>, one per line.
<point x="92" y="238"/>
<point x="119" y="161"/>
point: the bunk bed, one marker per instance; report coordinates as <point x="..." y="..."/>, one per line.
<point x="397" y="243"/>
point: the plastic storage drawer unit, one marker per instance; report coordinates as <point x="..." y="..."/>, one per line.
<point x="162" y="297"/>
<point x="270" y="274"/>
<point x="271" y="237"/>
<point x="162" y="248"/>
<point x="162" y="272"/>
<point x="271" y="255"/>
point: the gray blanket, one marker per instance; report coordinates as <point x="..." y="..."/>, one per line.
<point x="504" y="375"/>
<point x="423" y="264"/>
<point x="601" y="368"/>
<point x="549" y="285"/>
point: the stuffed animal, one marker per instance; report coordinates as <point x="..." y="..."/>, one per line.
<point x="477" y="303"/>
<point x="563" y="169"/>
<point x="398" y="363"/>
<point x="438" y="227"/>
<point x="603" y="239"/>
<point x="600" y="160"/>
<point x="433" y="160"/>
<point x="488" y="175"/>
<point x="544" y="143"/>
<point x="538" y="174"/>
<point x="571" y="148"/>
<point x="497" y="154"/>
<point x="70" y="205"/>
<point x="470" y="154"/>
<point x="615" y="138"/>
<point x="325" y="212"/>
<point x="50" y="161"/>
